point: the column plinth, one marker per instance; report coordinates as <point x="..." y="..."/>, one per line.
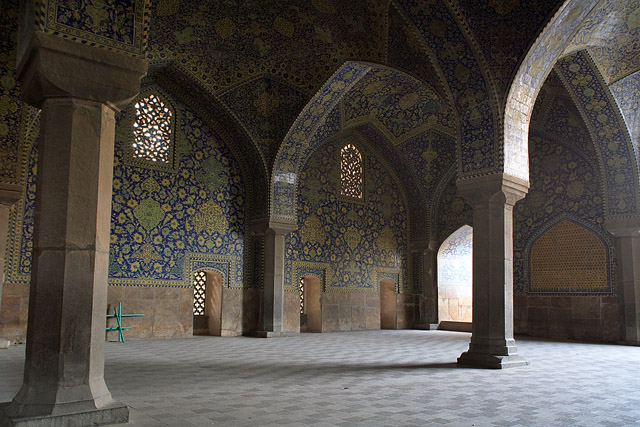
<point x="274" y="232"/>
<point x="79" y="94"/>
<point x="492" y="198"/>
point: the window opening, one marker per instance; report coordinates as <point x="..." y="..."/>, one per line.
<point x="199" y="285"/>
<point x="351" y="171"/>
<point x="152" y="130"/>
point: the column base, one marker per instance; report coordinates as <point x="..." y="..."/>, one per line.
<point x="116" y="413"/>
<point x="426" y="326"/>
<point x="271" y="334"/>
<point x="491" y="361"/>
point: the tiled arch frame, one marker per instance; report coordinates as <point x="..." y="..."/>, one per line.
<point x="616" y="155"/>
<point x="531" y="74"/>
<point x="318" y="121"/>
<point x="301" y="139"/>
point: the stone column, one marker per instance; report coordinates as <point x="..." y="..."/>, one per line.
<point x="429" y="308"/>
<point x="78" y="88"/>
<point x="274" y="232"/>
<point x="492" y="198"/>
<point x="627" y="237"/>
<point x="9" y="194"/>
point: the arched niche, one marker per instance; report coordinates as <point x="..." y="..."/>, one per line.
<point x="455" y="276"/>
<point x="569" y="258"/>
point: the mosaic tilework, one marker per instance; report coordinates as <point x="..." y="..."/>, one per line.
<point x="566" y="181"/>
<point x="353" y="238"/>
<point x="504" y="29"/>
<point x="399" y="161"/>
<point x="611" y="33"/>
<point x="401" y="103"/>
<point x="607" y="127"/>
<point x="408" y="52"/>
<point x="159" y="219"/>
<point x="530" y="77"/>
<point x="268" y="107"/>
<point x="321" y="270"/>
<point x="455" y="257"/>
<point x="305" y="135"/>
<point x="18" y="269"/>
<point x="569" y="258"/>
<point x="464" y="74"/>
<point x="627" y="94"/>
<point x="301" y="42"/>
<point x="119" y="25"/>
<point x="10" y="105"/>
<point x="205" y="105"/>
<point x="452" y="211"/>
<point x="431" y="153"/>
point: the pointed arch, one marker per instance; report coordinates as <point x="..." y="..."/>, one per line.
<point x="533" y="70"/>
<point x="601" y="114"/>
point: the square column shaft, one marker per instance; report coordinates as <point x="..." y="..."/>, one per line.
<point x="492" y="198"/>
<point x="627" y="237"/>
<point x="274" y="233"/>
<point x="78" y="88"/>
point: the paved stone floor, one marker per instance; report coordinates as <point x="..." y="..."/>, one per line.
<point x="375" y="378"/>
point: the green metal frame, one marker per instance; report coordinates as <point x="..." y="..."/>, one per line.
<point x="118" y="316"/>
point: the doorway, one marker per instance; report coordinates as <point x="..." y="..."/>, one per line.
<point x="455" y="277"/>
<point x="388" y="305"/>
<point x="207" y="303"/>
<point x="310" y="304"/>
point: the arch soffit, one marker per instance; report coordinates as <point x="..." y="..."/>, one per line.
<point x="616" y="156"/>
<point x="531" y="74"/>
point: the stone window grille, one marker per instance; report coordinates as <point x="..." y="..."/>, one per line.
<point x="152" y="144"/>
<point x="199" y="286"/>
<point x="351" y="172"/>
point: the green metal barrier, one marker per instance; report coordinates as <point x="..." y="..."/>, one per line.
<point x="118" y="316"/>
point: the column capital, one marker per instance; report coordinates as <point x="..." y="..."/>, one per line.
<point x="280" y="227"/>
<point x="623" y="227"/>
<point x="9" y="193"/>
<point x="55" y="67"/>
<point x="489" y="188"/>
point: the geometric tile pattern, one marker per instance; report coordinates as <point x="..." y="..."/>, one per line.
<point x="370" y="378"/>
<point x="569" y="258"/>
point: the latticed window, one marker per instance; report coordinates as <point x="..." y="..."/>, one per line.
<point x="199" y="284"/>
<point x="152" y="130"/>
<point x="301" y="296"/>
<point x="351" y="171"/>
